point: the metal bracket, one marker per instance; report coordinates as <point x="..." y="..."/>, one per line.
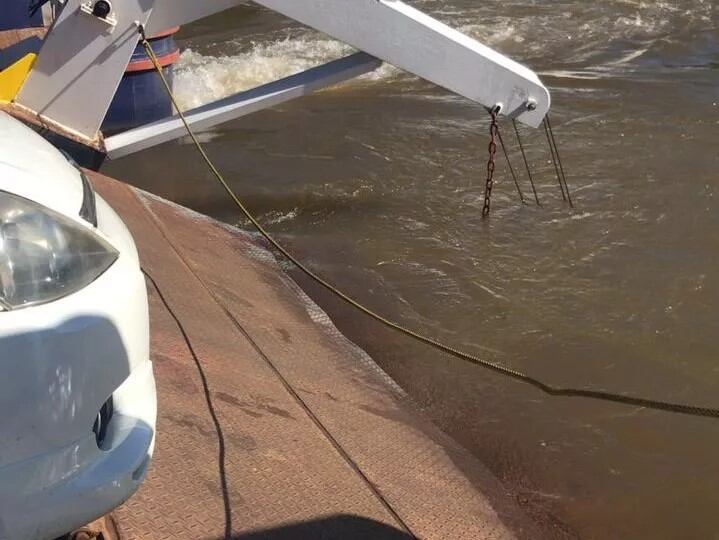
<point x="88" y="8"/>
<point x="81" y="64"/>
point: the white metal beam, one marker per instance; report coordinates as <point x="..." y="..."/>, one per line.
<point x="241" y="104"/>
<point x="81" y="63"/>
<point x="415" y="42"/>
<point x="407" y="38"/>
<point x="84" y="57"/>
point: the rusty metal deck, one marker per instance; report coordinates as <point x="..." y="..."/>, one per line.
<point x="272" y="424"/>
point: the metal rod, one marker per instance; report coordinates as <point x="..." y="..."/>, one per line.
<point x="526" y="163"/>
<point x="511" y="169"/>
<point x="559" y="160"/>
<point x="554" y="160"/>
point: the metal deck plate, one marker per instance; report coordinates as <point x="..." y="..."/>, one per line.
<point x="314" y="440"/>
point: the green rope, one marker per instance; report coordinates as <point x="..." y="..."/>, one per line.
<point x="468" y="357"/>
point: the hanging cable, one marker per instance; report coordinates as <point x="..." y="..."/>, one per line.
<point x="554" y="159"/>
<point x="526" y="163"/>
<point x="448" y="349"/>
<point x="511" y="169"/>
<point x="553" y="143"/>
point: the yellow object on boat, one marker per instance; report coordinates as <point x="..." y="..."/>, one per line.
<point x="13" y="77"/>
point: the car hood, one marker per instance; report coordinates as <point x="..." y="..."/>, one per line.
<point x="33" y="168"/>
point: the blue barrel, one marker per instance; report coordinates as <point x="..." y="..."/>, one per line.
<point x="15" y="14"/>
<point x="141" y="97"/>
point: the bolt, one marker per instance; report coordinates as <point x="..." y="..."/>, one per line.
<point x="102" y="9"/>
<point x="531" y="105"/>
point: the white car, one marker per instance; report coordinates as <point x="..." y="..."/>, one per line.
<point x="77" y="392"/>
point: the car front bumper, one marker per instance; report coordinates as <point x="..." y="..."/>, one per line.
<point x="59" y="363"/>
<point x="95" y="481"/>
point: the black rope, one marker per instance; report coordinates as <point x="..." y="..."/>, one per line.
<point x="526" y="163"/>
<point x="221" y="445"/>
<point x="559" y="160"/>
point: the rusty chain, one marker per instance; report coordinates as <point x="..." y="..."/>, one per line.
<point x="492" y="162"/>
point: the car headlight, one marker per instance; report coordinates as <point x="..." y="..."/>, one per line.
<point x="44" y="255"/>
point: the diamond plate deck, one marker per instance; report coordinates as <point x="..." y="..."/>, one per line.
<point x="274" y="425"/>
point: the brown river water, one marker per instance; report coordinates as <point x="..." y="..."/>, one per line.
<point x="378" y="185"/>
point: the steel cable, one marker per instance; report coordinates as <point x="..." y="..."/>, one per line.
<point x="555" y="151"/>
<point x="526" y="162"/>
<point x="511" y="169"/>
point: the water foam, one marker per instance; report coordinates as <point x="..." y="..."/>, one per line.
<point x="200" y="78"/>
